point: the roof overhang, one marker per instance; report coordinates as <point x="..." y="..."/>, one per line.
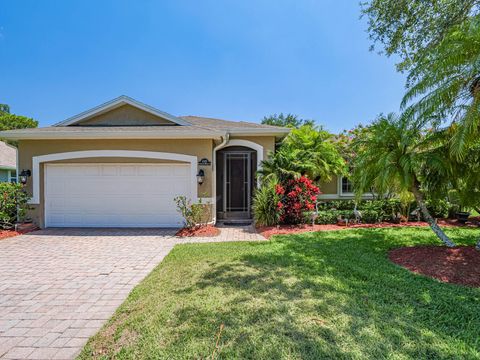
<point x="280" y="132"/>
<point x="99" y="134"/>
<point x="67" y="133"/>
<point x="117" y="102"/>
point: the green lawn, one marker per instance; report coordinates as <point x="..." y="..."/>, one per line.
<point x="308" y="296"/>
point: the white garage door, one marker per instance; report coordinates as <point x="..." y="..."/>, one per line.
<point x="114" y="195"/>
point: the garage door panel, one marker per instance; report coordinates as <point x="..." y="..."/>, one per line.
<point x="114" y="195"/>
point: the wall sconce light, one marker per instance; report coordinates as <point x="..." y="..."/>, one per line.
<point x="24" y="175"/>
<point x="201" y="176"/>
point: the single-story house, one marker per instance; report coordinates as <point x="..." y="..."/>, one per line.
<point x="8" y="163"/>
<point x="122" y="163"/>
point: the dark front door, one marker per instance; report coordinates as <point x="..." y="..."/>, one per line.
<point x="237" y="185"/>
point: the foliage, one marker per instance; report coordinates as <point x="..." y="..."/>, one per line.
<point x="308" y="151"/>
<point x="13" y="204"/>
<point x="289" y="120"/>
<point x="383" y="209"/>
<point x="391" y="159"/>
<point x="10" y="121"/>
<point x="193" y="214"/>
<point x="448" y="86"/>
<point x="439" y="208"/>
<point x="323" y="295"/>
<point x="297" y="199"/>
<point x="346" y="139"/>
<point x="4" y="108"/>
<point x="332" y="216"/>
<point x="265" y="202"/>
<point x="410" y="29"/>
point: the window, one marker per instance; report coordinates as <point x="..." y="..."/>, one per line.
<point x="347" y="186"/>
<point x="12" y="176"/>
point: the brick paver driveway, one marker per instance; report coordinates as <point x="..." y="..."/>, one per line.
<point x="57" y="287"/>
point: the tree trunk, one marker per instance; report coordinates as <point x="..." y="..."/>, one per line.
<point x="477" y="209"/>
<point x="478" y="245"/>
<point x="430" y="220"/>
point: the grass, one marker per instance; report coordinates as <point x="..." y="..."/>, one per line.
<point x="306" y="296"/>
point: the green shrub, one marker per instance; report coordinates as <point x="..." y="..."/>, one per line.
<point x="331" y="216"/>
<point x="193" y="214"/>
<point x="13" y="204"/>
<point x="265" y="204"/>
<point x="439" y="208"/>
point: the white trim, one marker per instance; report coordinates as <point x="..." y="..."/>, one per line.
<point x="328" y="197"/>
<point x="117" y="102"/>
<point x="340" y="188"/>
<point x="224" y="142"/>
<point x="227" y="143"/>
<point x="37" y="160"/>
<point x="158" y="132"/>
<point x="259" y="131"/>
<point x="253" y="145"/>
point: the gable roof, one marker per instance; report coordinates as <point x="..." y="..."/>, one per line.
<point x="115" y="103"/>
<point x="191" y="127"/>
<point x="8" y="156"/>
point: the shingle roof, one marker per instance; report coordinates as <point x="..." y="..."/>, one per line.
<point x="221" y="124"/>
<point x="199" y="127"/>
<point x="8" y="156"/>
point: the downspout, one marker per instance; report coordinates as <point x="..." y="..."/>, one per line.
<point x="224" y="143"/>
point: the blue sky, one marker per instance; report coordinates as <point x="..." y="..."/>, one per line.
<point x="237" y="60"/>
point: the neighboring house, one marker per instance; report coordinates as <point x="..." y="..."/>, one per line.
<point x="122" y="163"/>
<point x="8" y="163"/>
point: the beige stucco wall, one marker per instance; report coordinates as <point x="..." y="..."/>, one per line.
<point x="268" y="142"/>
<point x="28" y="149"/>
<point x="201" y="148"/>
<point x="330" y="187"/>
<point x="125" y="115"/>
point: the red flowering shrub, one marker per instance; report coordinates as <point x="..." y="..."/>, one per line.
<point x="298" y="197"/>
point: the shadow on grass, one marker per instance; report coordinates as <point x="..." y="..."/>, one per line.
<point x="336" y="295"/>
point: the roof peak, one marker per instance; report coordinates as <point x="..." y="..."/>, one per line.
<point x="117" y="102"/>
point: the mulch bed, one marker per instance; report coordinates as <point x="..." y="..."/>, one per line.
<point x="4" y="234"/>
<point x="8" y="233"/>
<point x="201" y="231"/>
<point x="458" y="265"/>
<point x="269" y="231"/>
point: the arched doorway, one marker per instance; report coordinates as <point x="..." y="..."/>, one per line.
<point x="236" y="168"/>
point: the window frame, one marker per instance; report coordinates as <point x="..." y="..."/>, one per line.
<point x="340" y="187"/>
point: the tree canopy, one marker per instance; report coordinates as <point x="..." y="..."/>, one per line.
<point x="392" y="158"/>
<point x="307" y="150"/>
<point x="10" y="121"/>
<point x="289" y="120"/>
<point x="411" y="28"/>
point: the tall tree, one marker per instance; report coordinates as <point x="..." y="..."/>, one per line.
<point x="392" y="157"/>
<point x="289" y="120"/>
<point x="10" y="121"/>
<point x="447" y="86"/>
<point x="411" y="28"/>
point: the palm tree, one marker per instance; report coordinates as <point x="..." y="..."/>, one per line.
<point x="305" y="151"/>
<point x="448" y="85"/>
<point x="391" y="157"/>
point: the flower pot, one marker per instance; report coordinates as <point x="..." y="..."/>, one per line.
<point x="462" y="216"/>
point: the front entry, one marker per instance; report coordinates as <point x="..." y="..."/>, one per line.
<point x="235" y="182"/>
